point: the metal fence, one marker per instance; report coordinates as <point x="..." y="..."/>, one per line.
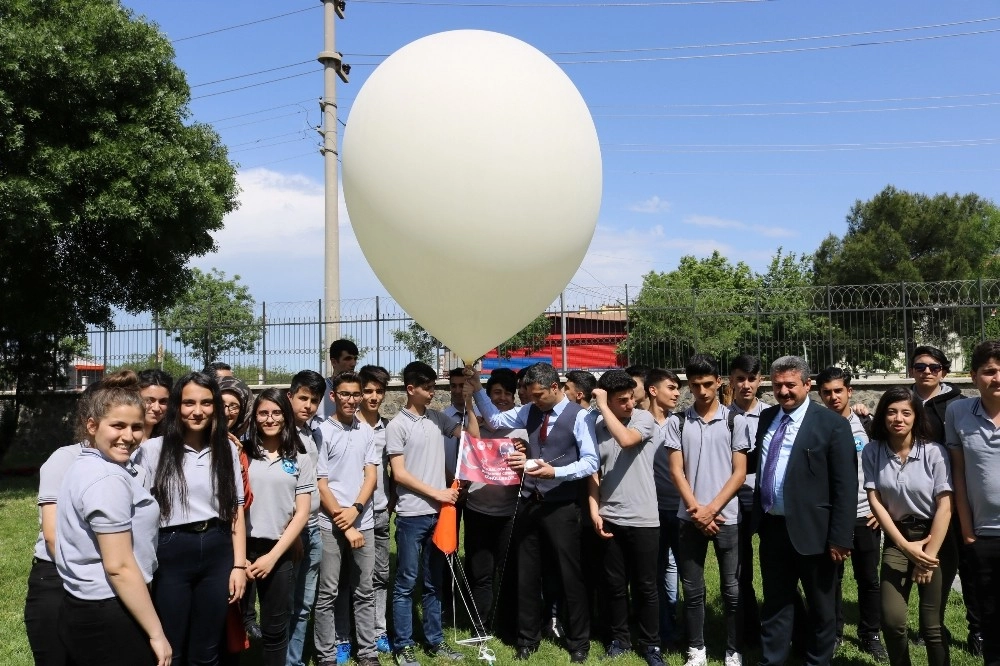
<point x="869" y="328"/>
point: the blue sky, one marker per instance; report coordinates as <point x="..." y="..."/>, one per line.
<point x="738" y="126"/>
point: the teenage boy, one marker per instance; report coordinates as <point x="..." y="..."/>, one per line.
<point x="972" y="433"/>
<point x="579" y="387"/>
<point x="664" y="388"/>
<point x="305" y="394"/>
<point x="374" y="382"/>
<point x="638" y="374"/>
<point x="456" y="409"/>
<point x="708" y="465"/>
<point x="744" y="383"/>
<point x="343" y="358"/>
<point x="834" y="386"/>
<point x="346" y="476"/>
<point x="414" y="440"/>
<point x="623" y="510"/>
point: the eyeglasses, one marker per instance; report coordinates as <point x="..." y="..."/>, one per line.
<point x="229" y="408"/>
<point x="933" y="367"/>
<point x="344" y="395"/>
<point x="276" y="417"/>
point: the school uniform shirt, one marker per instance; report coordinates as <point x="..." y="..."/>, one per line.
<point x="420" y="439"/>
<point x="860" y="441"/>
<point x="344" y="450"/>
<point x="202" y="502"/>
<point x="908" y="488"/>
<point x="309" y="444"/>
<point x="967" y="427"/>
<point x="753" y="421"/>
<point x="50" y="478"/>
<point x="490" y="499"/>
<point x="627" y="489"/>
<point x="707" y="448"/>
<point x="667" y="497"/>
<point x="380" y="498"/>
<point x="276" y="484"/>
<point x="99" y="496"/>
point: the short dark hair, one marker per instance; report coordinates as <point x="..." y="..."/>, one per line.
<point x="700" y="365"/>
<point x="986" y="351"/>
<point x="934" y="353"/>
<point x="584" y="381"/>
<point x="541" y="373"/>
<point x="639" y="371"/>
<point x="345" y="377"/>
<point x="658" y="375"/>
<point x="338" y="347"/>
<point x="505" y="377"/>
<point x="745" y="363"/>
<point x="311" y="381"/>
<point x="418" y="373"/>
<point x="614" y="381"/>
<point x="456" y="372"/>
<point x="155" y="377"/>
<point x="212" y="369"/>
<point x="374" y="374"/>
<point x="832" y="374"/>
<point x="921" y="427"/>
<point x="521" y="373"/>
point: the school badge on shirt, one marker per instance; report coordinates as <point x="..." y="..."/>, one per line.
<point x="289" y="466"/>
<point x="858" y="444"/>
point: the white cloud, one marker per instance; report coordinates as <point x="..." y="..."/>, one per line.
<point x="711" y="222"/>
<point x="654" y="204"/>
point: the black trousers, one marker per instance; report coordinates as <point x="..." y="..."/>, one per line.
<point x="102" y="633"/>
<point x="41" y="613"/>
<point x="549" y="533"/>
<point x="491" y="562"/>
<point x="782" y="569"/>
<point x="748" y="596"/>
<point x="275" y="595"/>
<point x="865" y="560"/>
<point x="629" y="560"/>
<point x="985" y="560"/>
<point x="966" y="571"/>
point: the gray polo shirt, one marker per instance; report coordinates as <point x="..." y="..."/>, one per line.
<point x="628" y="490"/>
<point x="490" y="499"/>
<point x="306" y="437"/>
<point x="753" y="420"/>
<point x="276" y="485"/>
<point x="380" y="497"/>
<point x="50" y="478"/>
<point x="343" y="453"/>
<point x="99" y="496"/>
<point x="667" y="497"/>
<point x="860" y="440"/>
<point x="420" y="439"/>
<point x="910" y="488"/>
<point x="967" y="427"/>
<point x="707" y="448"/>
<point x="202" y="501"/>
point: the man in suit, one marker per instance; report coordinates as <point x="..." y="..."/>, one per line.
<point x="806" y="498"/>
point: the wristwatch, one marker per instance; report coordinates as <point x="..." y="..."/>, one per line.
<point x="359" y="507"/>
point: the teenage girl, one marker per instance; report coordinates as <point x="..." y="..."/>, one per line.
<point x="154" y="387"/>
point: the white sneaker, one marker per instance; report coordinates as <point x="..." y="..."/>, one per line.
<point x="697" y="657"/>
<point x="733" y="658"/>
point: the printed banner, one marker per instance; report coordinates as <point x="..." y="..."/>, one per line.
<point x="485" y="461"/>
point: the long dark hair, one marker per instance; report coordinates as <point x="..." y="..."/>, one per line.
<point x="921" y="427"/>
<point x="289" y="444"/>
<point x="170" y="471"/>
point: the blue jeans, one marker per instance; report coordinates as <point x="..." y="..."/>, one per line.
<point x="304" y="593"/>
<point x="413" y="549"/>
<point x="666" y="577"/>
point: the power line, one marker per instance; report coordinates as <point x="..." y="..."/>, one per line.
<point x="270" y="108"/>
<point x="797" y="102"/>
<point x="270" y="145"/>
<point x="243" y="25"/>
<point x="794" y="148"/>
<point x="268" y="138"/>
<point x="262" y="71"/>
<point x="816" y="112"/>
<point x="561" y="5"/>
<point x="783" y="174"/>
<point x="285" y="159"/>
<point x="263" y="120"/>
<point x="255" y="85"/>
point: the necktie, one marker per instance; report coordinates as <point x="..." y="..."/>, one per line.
<point x="543" y="434"/>
<point x="767" y="494"/>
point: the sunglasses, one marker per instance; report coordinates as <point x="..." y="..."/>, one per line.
<point x="933" y="367"/>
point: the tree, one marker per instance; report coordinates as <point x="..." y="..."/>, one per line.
<point x="106" y="189"/>
<point x="529" y="339"/>
<point x="214" y="315"/>
<point x="425" y="346"/>
<point x="788" y="308"/>
<point x="419" y="342"/>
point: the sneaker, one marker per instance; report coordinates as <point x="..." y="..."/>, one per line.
<point x="653" y="656"/>
<point x="873" y="646"/>
<point x="975" y="644"/>
<point x="343" y="652"/>
<point x="697" y="657"/>
<point x="382" y="644"/>
<point x="406" y="656"/>
<point x="445" y="651"/>
<point x="368" y="661"/>
<point x="615" y="649"/>
<point x="733" y="658"/>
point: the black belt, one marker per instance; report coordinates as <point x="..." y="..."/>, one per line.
<point x="198" y="527"/>
<point x="914" y="521"/>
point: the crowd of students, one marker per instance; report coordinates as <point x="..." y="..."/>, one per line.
<point x="193" y="516"/>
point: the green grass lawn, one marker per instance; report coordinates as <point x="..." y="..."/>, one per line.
<point x="19" y="527"/>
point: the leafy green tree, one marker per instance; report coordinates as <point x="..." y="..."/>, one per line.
<point x="170" y="364"/>
<point x="425" y="346"/>
<point x="419" y="342"/>
<point x="790" y="308"/>
<point x="213" y="316"/>
<point x="529" y="339"/>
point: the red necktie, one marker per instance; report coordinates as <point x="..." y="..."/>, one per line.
<point x="544" y="433"/>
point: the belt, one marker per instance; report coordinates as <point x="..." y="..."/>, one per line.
<point x="198" y="527"/>
<point x="914" y="521"/>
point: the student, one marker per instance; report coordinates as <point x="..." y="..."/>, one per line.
<point x="663" y="389"/>
<point x="343" y="358"/>
<point x="194" y="474"/>
<point x="744" y="382"/>
<point x="489" y="519"/>
<point x="834" y="386"/>
<point x="548" y="510"/>
<point x="579" y="387"/>
<point x="305" y="395"/>
<point x="218" y="369"/>
<point x="105" y="550"/>
<point x="415" y="444"/>
<point x="708" y="466"/>
<point x="154" y="387"/>
<point x="623" y="510"/>
<point x="908" y="480"/>
<point x="638" y="374"/>
<point x="283" y="479"/>
<point x="455" y="409"/>
<point x="237" y="401"/>
<point x="374" y="382"/>
<point x="974" y="442"/>
<point x="346" y="477"/>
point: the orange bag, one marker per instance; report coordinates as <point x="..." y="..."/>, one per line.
<point x="446" y="533"/>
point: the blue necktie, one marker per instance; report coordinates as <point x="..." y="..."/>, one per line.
<point x="767" y="494"/>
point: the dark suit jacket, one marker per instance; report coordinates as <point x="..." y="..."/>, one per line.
<point x="821" y="480"/>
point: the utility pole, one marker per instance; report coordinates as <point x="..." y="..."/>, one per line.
<point x="333" y="68"/>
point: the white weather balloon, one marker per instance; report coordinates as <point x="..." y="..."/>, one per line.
<point x="472" y="176"/>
